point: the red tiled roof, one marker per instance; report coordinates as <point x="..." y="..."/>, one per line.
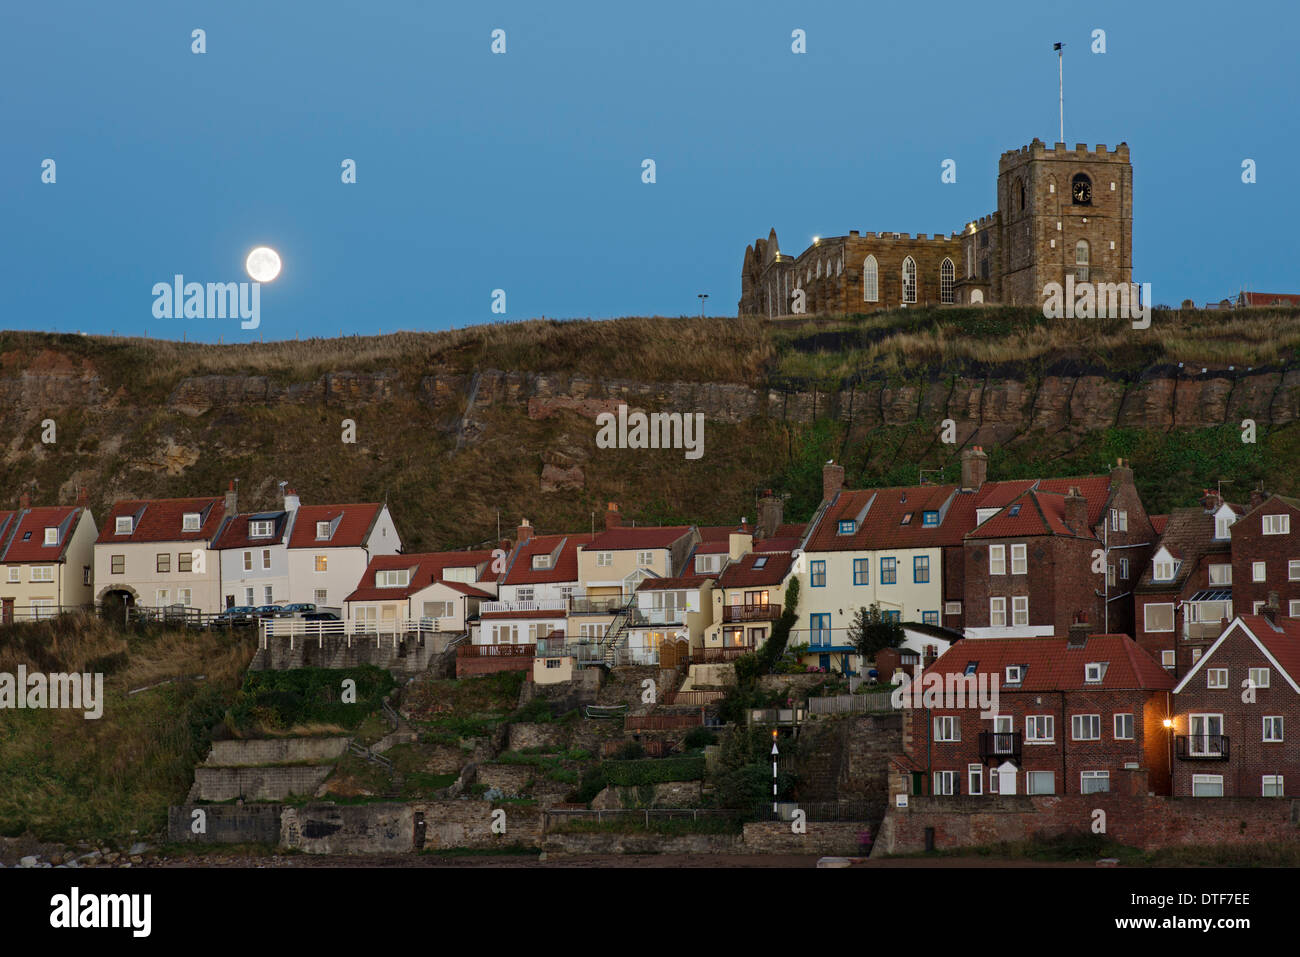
<point x="564" y="569"/>
<point x="682" y="581"/>
<point x="776" y="545"/>
<point x="1283" y="645"/>
<point x="161" y="519"/>
<point x="1051" y="665"/>
<point x="791" y="530"/>
<point x="1270" y="298"/>
<point x="236" y="534"/>
<point x="742" y="573"/>
<point x="721" y="533"/>
<point x="34" y="521"/>
<point x="1158" y="522"/>
<point x="352" y="530"/>
<point x="646" y="536"/>
<point x="1036" y="513"/>
<point x="427" y="569"/>
<point x="6" y="525"/>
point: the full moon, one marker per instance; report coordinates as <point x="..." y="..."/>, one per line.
<point x="263" y="264"/>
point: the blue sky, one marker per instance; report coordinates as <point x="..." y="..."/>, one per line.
<point x="522" y="171"/>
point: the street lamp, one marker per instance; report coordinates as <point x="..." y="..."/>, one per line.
<point x="701" y="296"/>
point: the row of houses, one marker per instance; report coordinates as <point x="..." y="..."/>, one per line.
<point x="1085" y="714"/>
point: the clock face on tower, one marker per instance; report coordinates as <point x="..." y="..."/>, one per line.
<point x="1081" y="191"/>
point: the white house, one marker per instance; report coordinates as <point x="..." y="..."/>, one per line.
<point x="330" y="547"/>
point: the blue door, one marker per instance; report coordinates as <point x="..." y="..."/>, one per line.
<point x="824" y="662"/>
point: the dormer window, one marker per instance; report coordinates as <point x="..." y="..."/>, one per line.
<point x="930" y="519"/>
<point x="393" y="578"/>
<point x="1015" y="674"/>
<point x="190" y="522"/>
<point x="260" y="528"/>
<point x="970" y="667"/>
<point x="323" y="530"/>
<point x="124" y="525"/>
<point x="1164" y="570"/>
<point x="51" y="536"/>
<point x="1014" y="509"/>
<point x="848" y="526"/>
<point x="1094" y="671"/>
<point x="1223" y="525"/>
<point x="541" y="561"/>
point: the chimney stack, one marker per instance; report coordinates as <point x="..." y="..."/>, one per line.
<point x="83" y="497"/>
<point x="232" y="502"/>
<point x="291" y="500"/>
<point x="1258" y="497"/>
<point x="525" y="530"/>
<point x="1076" y="510"/>
<point x="612" y="518"/>
<point x="1211" y="500"/>
<point x="974" y="468"/>
<point x="832" y="480"/>
<point x="1121" y="474"/>
<point x="24" y="501"/>
<point x="1078" y="632"/>
<point x="1271" y="609"/>
<point x="771" y="513"/>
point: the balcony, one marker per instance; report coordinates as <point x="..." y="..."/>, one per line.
<point x="1000" y="745"/>
<point x="539" y="604"/>
<point x="764" y="612"/>
<point x="608" y="605"/>
<point x="1202" y="747"/>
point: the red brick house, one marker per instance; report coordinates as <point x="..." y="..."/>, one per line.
<point x="1076" y="715"/>
<point x="1044" y="555"/>
<point x="1266" y="555"/>
<point x="1186" y="589"/>
<point x="1234" y="709"/>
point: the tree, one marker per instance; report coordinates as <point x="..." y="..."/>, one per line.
<point x="872" y="630"/>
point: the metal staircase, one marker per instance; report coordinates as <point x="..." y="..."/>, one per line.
<point x="617" y="631"/>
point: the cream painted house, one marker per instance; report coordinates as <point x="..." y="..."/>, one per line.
<point x="668" y="609"/>
<point x="157" y="553"/>
<point x="46" y="560"/>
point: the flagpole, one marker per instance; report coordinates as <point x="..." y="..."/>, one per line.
<point x="1060" y="71"/>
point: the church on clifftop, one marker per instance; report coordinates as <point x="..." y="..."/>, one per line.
<point x="1059" y="211"/>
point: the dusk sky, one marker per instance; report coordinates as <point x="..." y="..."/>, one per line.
<point x="522" y="171"/>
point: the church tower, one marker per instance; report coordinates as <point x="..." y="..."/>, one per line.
<point x="1063" y="211"/>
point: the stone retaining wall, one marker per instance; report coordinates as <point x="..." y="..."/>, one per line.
<point x="257" y="784"/>
<point x="248" y="753"/>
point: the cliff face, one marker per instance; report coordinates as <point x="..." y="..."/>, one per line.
<point x="454" y="448"/>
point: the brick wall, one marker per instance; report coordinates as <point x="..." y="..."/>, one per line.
<point x="1058" y="581"/>
<point x="225" y="824"/>
<point x="1144" y="822"/>
<point x="1250" y="545"/>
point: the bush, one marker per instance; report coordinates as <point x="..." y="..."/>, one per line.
<point x="699" y="738"/>
<point x="630" y="751"/>
<point x="537" y="711"/>
<point x="278" y="700"/>
<point x="653" y="771"/>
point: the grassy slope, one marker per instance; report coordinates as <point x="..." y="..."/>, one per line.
<point x="66" y="778"/>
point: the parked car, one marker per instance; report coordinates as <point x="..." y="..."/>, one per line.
<point x="299" y="609"/>
<point x="239" y="616"/>
<point x="270" y="611"/>
<point x="321" y="616"/>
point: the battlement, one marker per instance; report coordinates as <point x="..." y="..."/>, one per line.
<point x="919" y="237"/>
<point x="1040" y="150"/>
<point x="984" y="222"/>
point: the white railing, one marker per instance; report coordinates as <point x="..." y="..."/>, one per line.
<point x="294" y="628"/>
<point x="537" y="604"/>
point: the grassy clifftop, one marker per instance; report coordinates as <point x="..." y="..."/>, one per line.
<point x="151" y="418"/>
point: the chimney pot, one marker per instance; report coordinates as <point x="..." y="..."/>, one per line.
<point x="525" y="530"/>
<point x="612" y="517"/>
<point x="24" y="501"/>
